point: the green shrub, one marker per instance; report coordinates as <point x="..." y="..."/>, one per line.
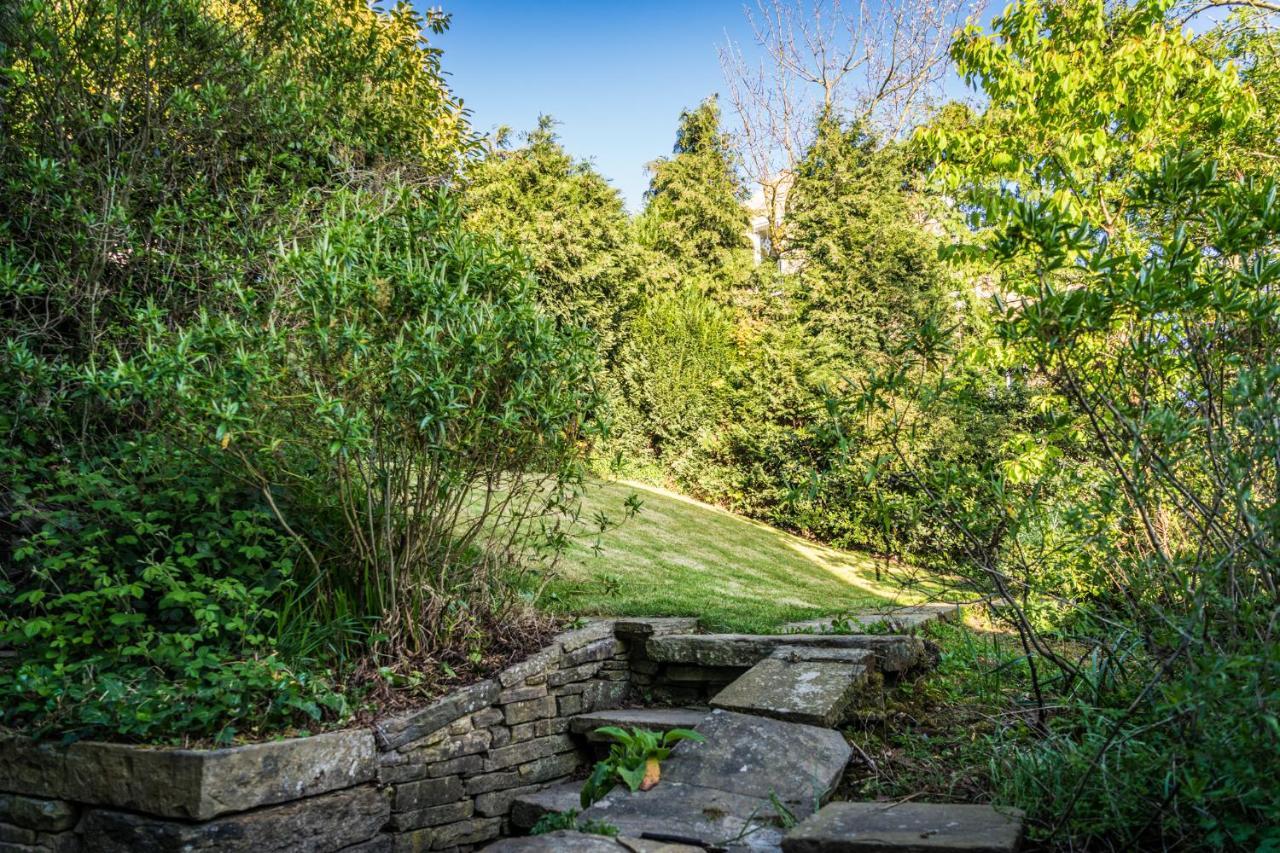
<point x="416" y="419"/>
<point x="676" y="366"/>
<point x="140" y="602"/>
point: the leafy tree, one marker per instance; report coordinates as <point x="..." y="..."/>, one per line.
<point x="676" y="368"/>
<point x="868" y="263"/>
<point x="569" y="221"/>
<point x="1137" y="513"/>
<point x="1083" y="96"/>
<point x="694" y="214"/>
<point x="1248" y="42"/>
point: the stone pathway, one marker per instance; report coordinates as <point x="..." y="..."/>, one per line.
<point x="802" y="684"/>
<point x="654" y="719"/>
<point x="900" y="620"/>
<point x="893" y="653"/>
<point x="876" y="827"/>
<point x="771" y="758"/>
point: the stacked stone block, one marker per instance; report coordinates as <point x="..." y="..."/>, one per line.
<point x="441" y="777"/>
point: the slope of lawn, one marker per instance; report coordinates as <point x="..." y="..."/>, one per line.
<point x="681" y="557"/>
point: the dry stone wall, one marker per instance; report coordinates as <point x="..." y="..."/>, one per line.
<point x="437" y="778"/>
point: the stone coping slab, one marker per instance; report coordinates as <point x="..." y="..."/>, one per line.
<point x="816" y="692"/>
<point x="568" y="841"/>
<point x="903" y="620"/>
<point x="759" y="757"/>
<point x="527" y="809"/>
<point x="654" y="719"/>
<point x="893" y="653"/>
<point x="644" y="628"/>
<point x="907" y="828"/>
<point x="196" y="784"/>
<point x="333" y="821"/>
<point x="692" y="814"/>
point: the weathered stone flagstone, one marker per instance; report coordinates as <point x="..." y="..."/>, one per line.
<point x="722" y="792"/>
<point x="330" y="822"/>
<point x="789" y="685"/>
<point x="527" y="809"/>
<point x="692" y="814"/>
<point x="757" y="757"/>
<point x="906" y="828"/>
<point x="187" y="783"/>
<point x="900" y="620"/>
<point x="893" y="653"/>
<point x="567" y="841"/>
<point x="655" y="719"/>
<point x="643" y="629"/>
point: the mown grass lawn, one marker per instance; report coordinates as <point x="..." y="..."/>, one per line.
<point x="681" y="557"/>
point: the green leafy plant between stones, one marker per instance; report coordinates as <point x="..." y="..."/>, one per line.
<point x="556" y="821"/>
<point x="634" y="759"/>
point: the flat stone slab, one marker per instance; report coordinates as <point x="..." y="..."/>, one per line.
<point x="900" y="620"/>
<point x="692" y="814"/>
<point x="196" y="784"/>
<point x="787" y="686"/>
<point x="655" y="719"/>
<point x="642" y="628"/>
<point x="527" y="809"/>
<point x="569" y="841"/>
<point x="906" y="828"/>
<point x="328" y="822"/>
<point x="757" y="756"/>
<point x="893" y="653"/>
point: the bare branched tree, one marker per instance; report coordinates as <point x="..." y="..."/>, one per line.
<point x="878" y="61"/>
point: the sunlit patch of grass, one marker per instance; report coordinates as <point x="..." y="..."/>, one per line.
<point x="681" y="557"/>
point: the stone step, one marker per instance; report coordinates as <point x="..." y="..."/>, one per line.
<point x="568" y="841"/>
<point x="725" y="793"/>
<point x="643" y="628"/>
<point x="799" y="684"/>
<point x="655" y="719"/>
<point x="526" y="809"/>
<point x="701" y="817"/>
<point x="909" y="826"/>
<point x="893" y="653"/>
<point x="759" y="757"/>
<point x="900" y="620"/>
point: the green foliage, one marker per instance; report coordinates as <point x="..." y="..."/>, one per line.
<point x="1135" y="516"/>
<point x="1169" y="357"/>
<point x="633" y="759"/>
<point x="140" y="601"/>
<point x="694" y="216"/>
<point x="556" y="821"/>
<point x="1248" y="42"/>
<point x="869" y="270"/>
<point x="1082" y="97"/>
<point x="569" y="221"/>
<point x="268" y="406"/>
<point x="675" y="367"/>
<point x="864" y="237"/>
<point x="418" y="426"/>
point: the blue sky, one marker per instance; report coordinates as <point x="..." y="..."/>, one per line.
<point x="614" y="74"/>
